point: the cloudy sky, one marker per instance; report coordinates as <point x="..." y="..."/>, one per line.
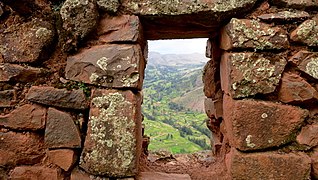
<point x="179" y="46"/>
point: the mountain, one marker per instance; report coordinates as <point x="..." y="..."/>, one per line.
<point x="173" y="103"/>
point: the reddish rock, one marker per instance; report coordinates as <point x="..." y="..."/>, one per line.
<point x="64" y="158"/>
<point x="268" y="165"/>
<point x="163" y="176"/>
<point x="251" y="34"/>
<point x="113" y="141"/>
<point x="34" y="173"/>
<point x="17" y="73"/>
<point x="20" y="148"/>
<point x="212" y="49"/>
<point x="28" y="8"/>
<point x="8" y="98"/>
<point x="80" y="175"/>
<point x="62" y="98"/>
<point x="26" y="117"/>
<point x="247" y="74"/>
<point x="284" y="16"/>
<point x="211" y="79"/>
<point x="61" y="131"/>
<point x="314" y="164"/>
<point x="303" y="4"/>
<point x="29" y="42"/>
<point x="124" y="28"/>
<point x="114" y="66"/>
<point x="213" y="108"/>
<point x="309" y="65"/>
<point x="308" y="135"/>
<point x="268" y="125"/>
<point x="300" y="56"/>
<point x="294" y="89"/>
<point x="307" y="32"/>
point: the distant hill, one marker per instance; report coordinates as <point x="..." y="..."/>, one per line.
<point x="155" y="58"/>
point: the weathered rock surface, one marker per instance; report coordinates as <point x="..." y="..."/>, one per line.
<point x="268" y="165"/>
<point x="26" y="117"/>
<point x="27" y="43"/>
<point x="64" y="158"/>
<point x="124" y="28"/>
<point x="284" y="16"/>
<point x="62" y="98"/>
<point x="17" y="73"/>
<point x="61" y="131"/>
<point x="27" y="8"/>
<point x="252" y="34"/>
<point x="268" y="125"/>
<point x="8" y="98"/>
<point x="20" y="148"/>
<point x="211" y="79"/>
<point x="34" y="173"/>
<point x="183" y="19"/>
<point x="79" y="18"/>
<point x="110" y="6"/>
<point x="113" y="142"/>
<point x="115" y="66"/>
<point x="300" y="56"/>
<point x="308" y="135"/>
<point x="163" y="176"/>
<point x="296" y="3"/>
<point x="213" y="108"/>
<point x="314" y="163"/>
<point x="295" y="89"/>
<point x="309" y="64"/>
<point x="307" y="32"/>
<point x="246" y="74"/>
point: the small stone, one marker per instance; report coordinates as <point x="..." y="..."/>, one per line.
<point x="306" y="33"/>
<point x="8" y="98"/>
<point x="285" y="16"/>
<point x="27" y="43"/>
<point x="79" y="18"/>
<point x="74" y="99"/>
<point x="213" y="108"/>
<point x="268" y="165"/>
<point x="64" y="158"/>
<point x="17" y="73"/>
<point x="124" y="28"/>
<point x="211" y="79"/>
<point x="61" y="131"/>
<point x="110" y="65"/>
<point x="303" y="4"/>
<point x="309" y="65"/>
<point x="163" y="176"/>
<point x="20" y="148"/>
<point x="308" y="135"/>
<point x="269" y="125"/>
<point x="34" y="172"/>
<point x="113" y="141"/>
<point x="247" y="74"/>
<point x="294" y="89"/>
<point x="252" y="34"/>
<point x="26" y="117"/>
<point x="300" y="56"/>
<point x="110" y="6"/>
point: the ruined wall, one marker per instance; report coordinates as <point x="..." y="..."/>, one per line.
<point x="71" y="77"/>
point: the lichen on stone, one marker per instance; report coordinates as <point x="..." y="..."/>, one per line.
<point x="130" y="80"/>
<point x="43" y="33"/>
<point x="108" y="5"/>
<point x="312" y="67"/>
<point x="248" y="141"/>
<point x="307" y="33"/>
<point x="102" y="63"/>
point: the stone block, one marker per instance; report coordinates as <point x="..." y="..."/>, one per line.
<point x="307" y="32"/>
<point x="252" y="34"/>
<point x="74" y="99"/>
<point x="34" y="173"/>
<point x="26" y="117"/>
<point x="257" y="125"/>
<point x="27" y="43"/>
<point x="247" y="74"/>
<point x="213" y="108"/>
<point x="308" y="135"/>
<point x="268" y="165"/>
<point x="294" y="89"/>
<point x="113" y="143"/>
<point x="114" y="66"/>
<point x="211" y="79"/>
<point x="284" y="16"/>
<point x="303" y="4"/>
<point x="8" y="98"/>
<point x="124" y="28"/>
<point x="17" y="73"/>
<point x="20" y="148"/>
<point x="61" y="131"/>
<point x="64" y="158"/>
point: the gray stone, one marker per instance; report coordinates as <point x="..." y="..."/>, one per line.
<point x="108" y="5"/>
<point x="113" y="142"/>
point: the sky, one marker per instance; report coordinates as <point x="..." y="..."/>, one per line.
<point x="179" y="46"/>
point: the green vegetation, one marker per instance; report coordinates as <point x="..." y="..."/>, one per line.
<point x="171" y="124"/>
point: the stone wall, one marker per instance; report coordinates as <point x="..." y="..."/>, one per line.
<point x="71" y="78"/>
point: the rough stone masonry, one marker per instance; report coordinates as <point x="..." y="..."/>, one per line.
<point x="71" y="75"/>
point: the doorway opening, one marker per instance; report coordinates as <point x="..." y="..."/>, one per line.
<point x="173" y="105"/>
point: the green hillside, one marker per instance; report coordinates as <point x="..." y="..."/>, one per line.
<point x="171" y="120"/>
